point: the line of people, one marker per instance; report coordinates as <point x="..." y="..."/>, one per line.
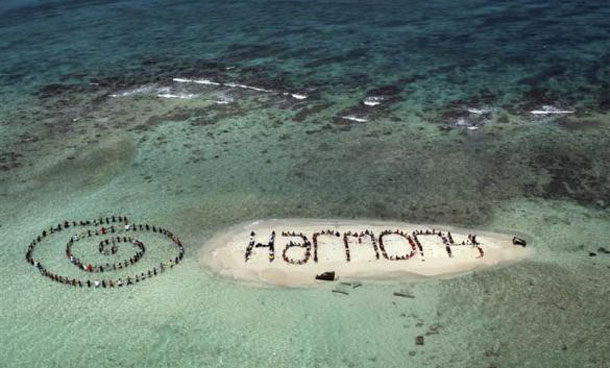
<point x="106" y="267"/>
<point x="253" y="244"/>
<point x="305" y="244"/>
<point x="291" y="244"/>
<point x="102" y="249"/>
<point x="404" y="257"/>
<point x="413" y="240"/>
<point x="448" y="241"/>
<point x="103" y="230"/>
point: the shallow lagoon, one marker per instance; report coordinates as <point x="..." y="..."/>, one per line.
<point x="70" y="151"/>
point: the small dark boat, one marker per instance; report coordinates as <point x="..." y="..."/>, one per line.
<point x="326" y="276"/>
<point x="519" y="241"/>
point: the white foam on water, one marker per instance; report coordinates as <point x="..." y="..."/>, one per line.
<point x="462" y="122"/>
<point x="373" y="100"/>
<point x="184" y="96"/>
<point x="354" y="118"/>
<point x="244" y="86"/>
<point x="482" y="111"/>
<point x="224" y="100"/>
<point x="206" y="82"/>
<point x="299" y="96"/>
<point x="548" y="110"/>
<point x="255" y="88"/>
<point x="229" y="84"/>
<point x="133" y="91"/>
<point x="197" y="81"/>
<point x="182" y="80"/>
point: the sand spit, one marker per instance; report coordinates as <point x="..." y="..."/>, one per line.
<point x="304" y="248"/>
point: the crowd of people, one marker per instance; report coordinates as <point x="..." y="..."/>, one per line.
<point x="446" y="239"/>
<point x="329" y="233"/>
<point x="360" y="236"/>
<point x="253" y="244"/>
<point x="413" y="240"/>
<point x="404" y="257"/>
<point x="472" y="240"/>
<point x="305" y="244"/>
<point x="101" y="247"/>
<point x="100" y="229"/>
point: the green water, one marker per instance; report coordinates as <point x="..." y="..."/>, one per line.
<point x="550" y="310"/>
<point x="69" y="150"/>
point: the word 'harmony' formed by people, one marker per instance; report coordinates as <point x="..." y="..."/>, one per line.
<point x="367" y="238"/>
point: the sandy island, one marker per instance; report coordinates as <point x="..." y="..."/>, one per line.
<point x="345" y="247"/>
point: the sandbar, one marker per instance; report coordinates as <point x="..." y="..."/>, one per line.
<point x="353" y="250"/>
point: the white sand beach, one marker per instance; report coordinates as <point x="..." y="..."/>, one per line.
<point x="226" y="251"/>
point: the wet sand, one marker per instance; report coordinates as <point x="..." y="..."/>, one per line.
<point x="225" y="252"/>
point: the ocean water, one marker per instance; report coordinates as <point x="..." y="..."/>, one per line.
<point x="196" y="115"/>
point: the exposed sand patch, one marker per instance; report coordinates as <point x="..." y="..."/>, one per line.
<point x="226" y="251"/>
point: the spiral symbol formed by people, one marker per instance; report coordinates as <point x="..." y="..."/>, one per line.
<point x="118" y="239"/>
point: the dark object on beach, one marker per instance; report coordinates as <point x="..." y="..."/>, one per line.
<point x="519" y="241"/>
<point x="340" y="292"/>
<point x="603" y="250"/>
<point x="592" y="254"/>
<point x="419" y="340"/>
<point x="326" y="276"/>
<point x="403" y="295"/>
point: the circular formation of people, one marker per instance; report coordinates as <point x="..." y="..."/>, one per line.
<point x="116" y="232"/>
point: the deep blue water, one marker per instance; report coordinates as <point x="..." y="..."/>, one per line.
<point x="432" y="61"/>
<point x="461" y="49"/>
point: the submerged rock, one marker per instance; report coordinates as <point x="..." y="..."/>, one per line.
<point x="403" y="295"/>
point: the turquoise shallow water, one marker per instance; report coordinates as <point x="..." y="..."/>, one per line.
<point x="70" y="150"/>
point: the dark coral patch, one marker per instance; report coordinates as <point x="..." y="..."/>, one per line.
<point x="572" y="176"/>
<point x="10" y="160"/>
<point x="307" y="111"/>
<point x="544" y="75"/>
<point x="388" y="90"/>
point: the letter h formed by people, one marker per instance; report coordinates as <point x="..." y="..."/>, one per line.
<point x="252" y="245"/>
